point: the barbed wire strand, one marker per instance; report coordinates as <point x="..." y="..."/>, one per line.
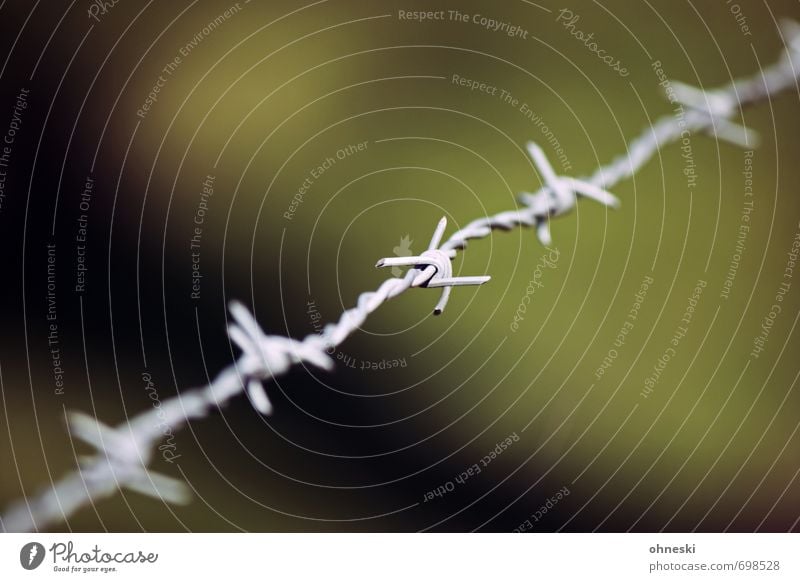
<point x="123" y="453"/>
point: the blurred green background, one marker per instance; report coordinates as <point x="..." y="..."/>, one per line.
<point x="259" y="102"/>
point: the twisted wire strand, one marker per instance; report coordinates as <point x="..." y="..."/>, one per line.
<point x="123" y="453"/>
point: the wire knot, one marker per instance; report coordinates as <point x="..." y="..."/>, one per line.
<point x="441" y="261"/>
<point x="120" y="455"/>
<point x="717" y="107"/>
<point x="266" y="356"/>
<point x="434" y="267"/>
<point x="559" y="195"/>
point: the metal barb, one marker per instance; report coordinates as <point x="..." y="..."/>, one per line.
<point x="718" y="106"/>
<point x="119" y="453"/>
<point x="266" y="356"/>
<point x="560" y="195"/>
<point x="435" y="268"/>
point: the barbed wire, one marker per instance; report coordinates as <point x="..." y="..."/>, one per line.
<point x="123" y="453"/>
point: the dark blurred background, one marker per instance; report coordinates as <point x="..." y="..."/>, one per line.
<point x="261" y="97"/>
